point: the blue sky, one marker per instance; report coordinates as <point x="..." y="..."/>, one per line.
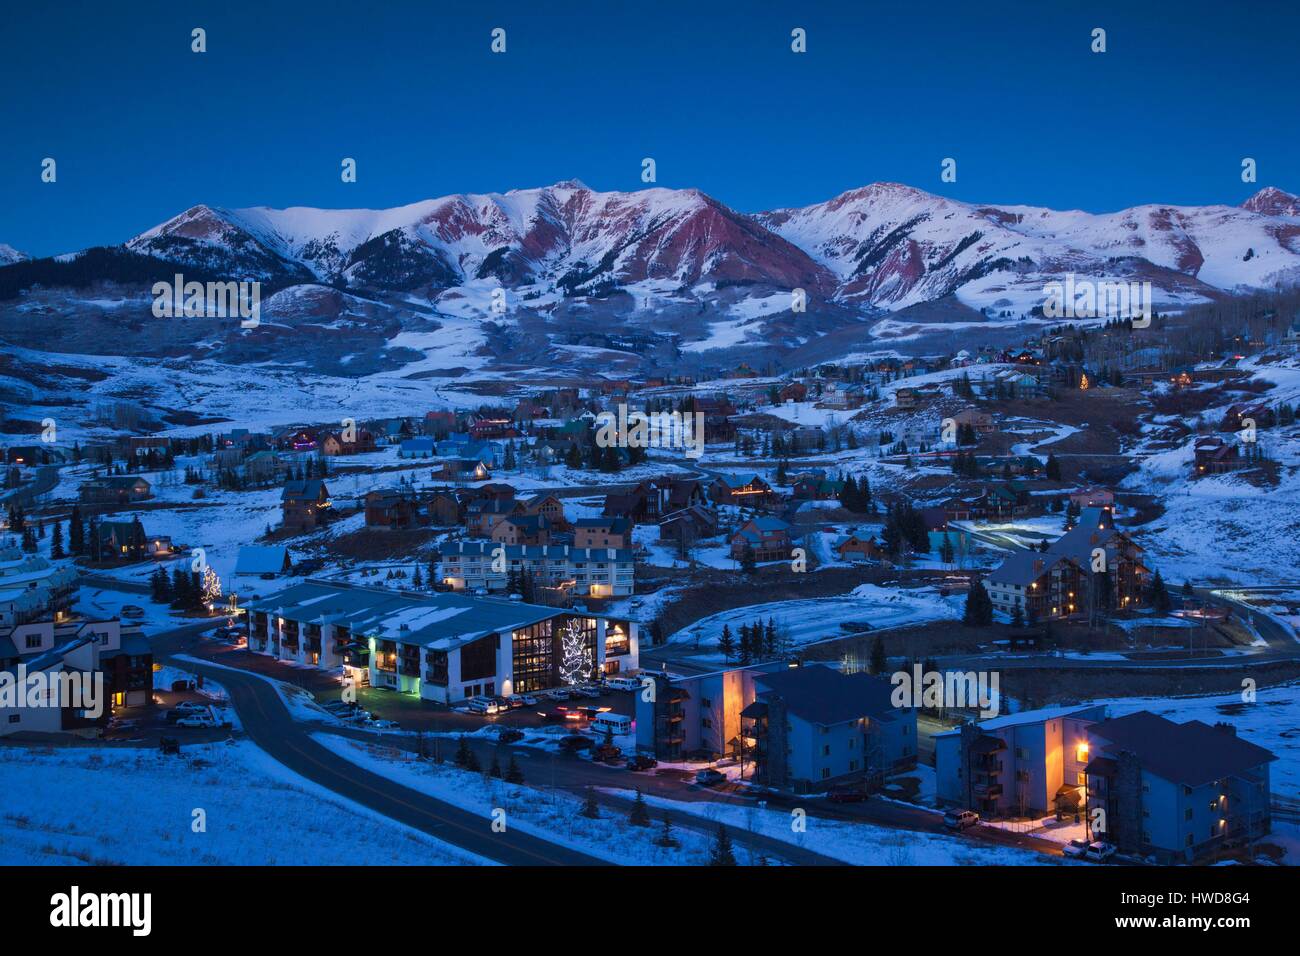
<point x="142" y="128"/>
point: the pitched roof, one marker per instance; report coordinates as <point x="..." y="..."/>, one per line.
<point x="261" y="559"/>
<point x="1023" y="567"/>
<point x="823" y="695"/>
<point x="1192" y="754"/>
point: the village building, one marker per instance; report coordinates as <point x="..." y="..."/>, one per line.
<point x="304" y="505"/>
<point x="765" y="537"/>
<point x="115" y="489"/>
<point x="442" y="647"/>
<point x="584" y="572"/>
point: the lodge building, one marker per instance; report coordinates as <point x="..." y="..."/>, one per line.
<point x="442" y="646"/>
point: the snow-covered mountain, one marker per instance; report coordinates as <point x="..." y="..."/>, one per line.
<point x="894" y="246"/>
<point x="565" y="237"/>
<point x="884" y="246"/>
<point x="8" y="254"/>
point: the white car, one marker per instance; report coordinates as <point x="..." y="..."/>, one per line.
<point x="384" y="724"/>
<point x="191" y="707"/>
<point x="197" y="720"/>
<point x="1099" y="852"/>
<point x="1075" y="849"/>
<point x="960" y="819"/>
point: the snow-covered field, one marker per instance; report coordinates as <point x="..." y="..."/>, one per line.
<point x="800" y="623"/>
<point x="103" y="806"/>
<point x="861" y="844"/>
<point x="549" y="814"/>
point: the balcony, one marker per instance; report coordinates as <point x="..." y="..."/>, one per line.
<point x="409" y="668"/>
<point x="988" y="790"/>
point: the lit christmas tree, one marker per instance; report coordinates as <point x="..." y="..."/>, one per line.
<point x="575" y="659"/>
<point x="211" y="588"/>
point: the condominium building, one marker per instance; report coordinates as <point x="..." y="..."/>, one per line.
<point x="440" y="646"/>
<point x="589" y="572"/>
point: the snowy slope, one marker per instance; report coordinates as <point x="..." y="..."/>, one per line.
<point x="9" y="254"/>
<point x="894" y="246"/>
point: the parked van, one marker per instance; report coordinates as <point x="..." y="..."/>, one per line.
<point x="625" y="683"/>
<point x="616" y="724"/>
<point x="483" y="705"/>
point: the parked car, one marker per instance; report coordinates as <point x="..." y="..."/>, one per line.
<point x="196" y="720"/>
<point x="530" y="701"/>
<point x="385" y="724"/>
<point x="575" y="742"/>
<point x="624" y="683"/>
<point x="588" y="693"/>
<point x="226" y="633"/>
<point x="1075" y="848"/>
<point x="514" y="702"/>
<point x="192" y="706"/>
<point x="132" y="611"/>
<point x="846" y="795"/>
<point x="641" y="762"/>
<point x="960" y="819"/>
<point x="483" y="705"/>
<point x="710" y="777"/>
<point x="509" y="735"/>
<point x="1099" y="851"/>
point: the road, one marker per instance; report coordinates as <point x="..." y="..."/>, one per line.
<point x="47" y="476"/>
<point x="269" y="724"/>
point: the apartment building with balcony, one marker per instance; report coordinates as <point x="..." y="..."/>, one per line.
<point x="1177" y="792"/>
<point x="797" y="728"/>
<point x="1043" y="586"/>
<point x="442" y="646"/>
<point x="585" y="572"/>
<point x="1023" y="764"/>
<point x="119" y="652"/>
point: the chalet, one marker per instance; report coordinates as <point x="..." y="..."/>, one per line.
<point x="999" y="502"/>
<point x="673" y="494"/>
<point x="958" y="509"/>
<point x="1042" y="585"/>
<point x="636" y="505"/>
<point x="393" y="510"/>
<point x="1248" y="414"/>
<point x="482" y="515"/>
<point x="1020" y="465"/>
<point x="908" y="397"/>
<point x="115" y="489"/>
<point x="298" y="439"/>
<point x="304" y="505"/>
<point x="496" y="489"/>
<point x="443" y="508"/>
<point x="767" y="538"/>
<point x="602" y="533"/>
<point x="1108" y="557"/>
<point x="551" y="450"/>
<point x="338" y="443"/>
<point x="857" y="547"/>
<point x="461" y="470"/>
<point x="980" y="421"/>
<point x="748" y="491"/>
<point x="815" y="486"/>
<point x="118" y="540"/>
<point x="522" y="528"/>
<point x="688" y="525"/>
<point x="527" y="411"/>
<point x="32" y="455"/>
<point x="717" y="412"/>
<point x="549" y="507"/>
<point x="1214" y="456"/>
<point x="261" y="466"/>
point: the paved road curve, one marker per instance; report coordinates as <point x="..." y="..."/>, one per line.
<point x="268" y="723"/>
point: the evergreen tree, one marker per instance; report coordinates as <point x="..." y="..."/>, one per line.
<point x="589" y="808"/>
<point x="495" y="769"/>
<point x="721" y="853"/>
<point x="979" y="609"/>
<point x="56" y="541"/>
<point x="1160" y="594"/>
<point x="1053" y="468"/>
<point x="727" y="643"/>
<point x="640" y="815"/>
<point x="513" y="773"/>
<point x="879" y="662"/>
<point x="666" y="838"/>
